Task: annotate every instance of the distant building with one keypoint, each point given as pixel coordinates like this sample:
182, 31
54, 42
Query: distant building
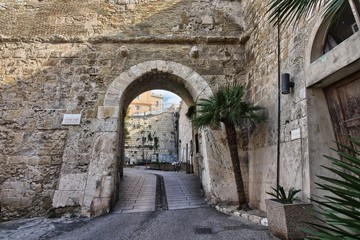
145, 130
146, 103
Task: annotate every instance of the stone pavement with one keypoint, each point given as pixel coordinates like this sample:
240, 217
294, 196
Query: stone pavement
183, 191
140, 188
137, 192
141, 192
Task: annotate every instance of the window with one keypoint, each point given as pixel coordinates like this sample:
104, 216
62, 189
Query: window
137, 107
157, 103
342, 28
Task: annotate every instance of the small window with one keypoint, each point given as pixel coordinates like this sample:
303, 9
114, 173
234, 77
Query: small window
137, 107
157, 103
342, 28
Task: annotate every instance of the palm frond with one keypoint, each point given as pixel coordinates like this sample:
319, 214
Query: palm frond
340, 206
284, 12
225, 104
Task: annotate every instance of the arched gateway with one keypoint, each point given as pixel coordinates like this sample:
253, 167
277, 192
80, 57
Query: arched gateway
102, 179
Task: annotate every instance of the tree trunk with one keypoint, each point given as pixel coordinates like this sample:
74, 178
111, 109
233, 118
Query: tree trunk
234, 155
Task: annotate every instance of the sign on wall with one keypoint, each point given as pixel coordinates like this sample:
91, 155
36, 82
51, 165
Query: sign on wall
71, 119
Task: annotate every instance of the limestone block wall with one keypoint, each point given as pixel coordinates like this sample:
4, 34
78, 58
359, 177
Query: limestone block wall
161, 126
60, 57
91, 58
259, 144
297, 168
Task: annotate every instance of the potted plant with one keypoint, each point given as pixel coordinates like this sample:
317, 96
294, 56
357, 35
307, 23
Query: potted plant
286, 215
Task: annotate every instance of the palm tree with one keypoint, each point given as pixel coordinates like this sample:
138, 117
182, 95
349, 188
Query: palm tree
226, 106
287, 11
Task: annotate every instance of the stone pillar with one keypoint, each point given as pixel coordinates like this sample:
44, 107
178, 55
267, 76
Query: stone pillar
100, 190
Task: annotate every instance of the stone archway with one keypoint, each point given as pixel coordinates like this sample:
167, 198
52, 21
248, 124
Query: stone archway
103, 174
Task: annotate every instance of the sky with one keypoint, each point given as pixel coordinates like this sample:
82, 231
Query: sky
169, 98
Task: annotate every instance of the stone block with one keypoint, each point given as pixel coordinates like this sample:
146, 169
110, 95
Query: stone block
19, 53
17, 160
112, 100
118, 86
207, 20
32, 161
107, 125
44, 160
125, 78
100, 206
107, 186
162, 66
25, 201
108, 112
73, 182
67, 198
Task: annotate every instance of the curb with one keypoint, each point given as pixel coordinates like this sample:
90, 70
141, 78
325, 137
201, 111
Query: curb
249, 216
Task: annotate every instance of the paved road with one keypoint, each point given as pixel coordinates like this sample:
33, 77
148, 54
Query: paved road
156, 190
153, 205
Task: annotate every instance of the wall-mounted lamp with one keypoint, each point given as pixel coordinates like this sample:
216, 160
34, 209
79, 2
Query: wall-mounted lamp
286, 84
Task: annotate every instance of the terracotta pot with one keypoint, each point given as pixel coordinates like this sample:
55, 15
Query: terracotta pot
286, 220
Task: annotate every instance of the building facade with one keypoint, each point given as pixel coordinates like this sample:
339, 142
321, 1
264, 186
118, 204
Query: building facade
152, 138
69, 70
146, 103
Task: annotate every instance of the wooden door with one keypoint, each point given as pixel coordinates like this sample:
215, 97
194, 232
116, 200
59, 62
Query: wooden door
343, 98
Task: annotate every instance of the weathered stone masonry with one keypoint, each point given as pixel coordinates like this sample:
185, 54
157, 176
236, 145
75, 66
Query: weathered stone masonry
93, 57
49, 66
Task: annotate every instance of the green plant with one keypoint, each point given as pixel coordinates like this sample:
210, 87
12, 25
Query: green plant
227, 106
283, 12
280, 194
339, 214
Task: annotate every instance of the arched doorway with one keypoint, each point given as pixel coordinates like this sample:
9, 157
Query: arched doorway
108, 149
332, 81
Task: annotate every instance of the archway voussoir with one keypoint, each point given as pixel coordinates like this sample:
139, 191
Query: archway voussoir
141, 68
153, 65
118, 86
105, 112
173, 67
162, 66
125, 78
112, 100
135, 71
185, 72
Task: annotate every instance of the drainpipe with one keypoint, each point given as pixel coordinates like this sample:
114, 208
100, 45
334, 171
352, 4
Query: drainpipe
279, 109
355, 12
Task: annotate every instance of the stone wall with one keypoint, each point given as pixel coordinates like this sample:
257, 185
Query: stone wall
92, 58
161, 126
262, 88
185, 133
61, 57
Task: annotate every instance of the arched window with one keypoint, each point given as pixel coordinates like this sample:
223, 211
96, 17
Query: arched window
343, 27
331, 35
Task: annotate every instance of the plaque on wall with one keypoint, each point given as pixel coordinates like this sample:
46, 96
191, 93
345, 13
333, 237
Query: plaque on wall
71, 119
